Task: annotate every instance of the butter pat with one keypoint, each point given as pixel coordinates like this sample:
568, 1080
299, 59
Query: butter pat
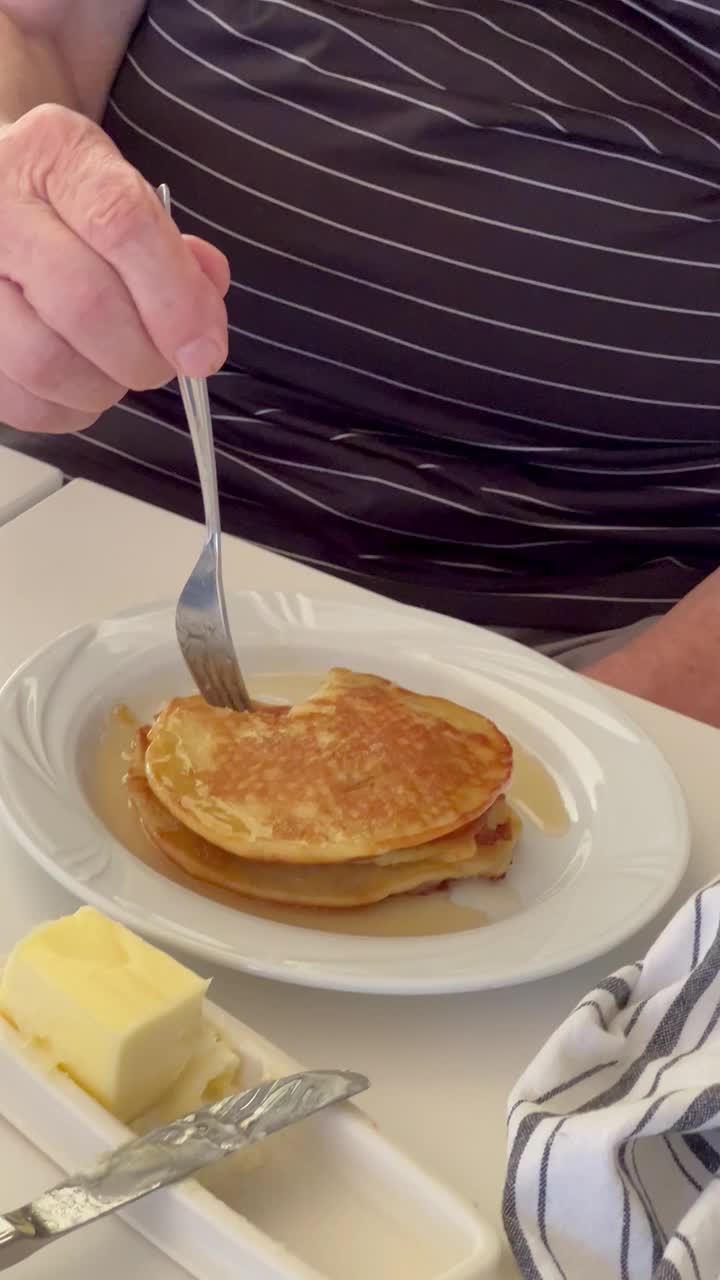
213, 1072
119, 1016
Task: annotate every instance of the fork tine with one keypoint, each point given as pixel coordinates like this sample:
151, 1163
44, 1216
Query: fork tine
227, 684
214, 684
221, 673
202, 671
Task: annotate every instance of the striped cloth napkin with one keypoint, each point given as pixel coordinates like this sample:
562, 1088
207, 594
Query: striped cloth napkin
614, 1129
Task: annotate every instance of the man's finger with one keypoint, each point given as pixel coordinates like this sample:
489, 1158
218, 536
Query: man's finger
212, 262
40, 361
27, 412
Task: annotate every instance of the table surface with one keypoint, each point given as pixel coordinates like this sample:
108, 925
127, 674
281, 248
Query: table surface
441, 1066
23, 482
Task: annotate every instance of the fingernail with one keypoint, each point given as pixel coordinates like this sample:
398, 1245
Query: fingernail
199, 358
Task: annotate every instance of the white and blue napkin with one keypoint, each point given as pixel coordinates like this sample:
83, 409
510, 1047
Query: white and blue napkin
614, 1129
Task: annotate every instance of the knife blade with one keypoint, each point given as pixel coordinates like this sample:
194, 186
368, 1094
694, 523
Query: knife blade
168, 1155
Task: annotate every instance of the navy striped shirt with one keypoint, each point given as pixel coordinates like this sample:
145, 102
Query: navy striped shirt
475, 300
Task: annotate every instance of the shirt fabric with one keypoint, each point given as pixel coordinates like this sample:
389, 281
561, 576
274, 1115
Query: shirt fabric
475, 301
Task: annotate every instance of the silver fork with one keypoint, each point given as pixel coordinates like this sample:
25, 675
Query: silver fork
201, 621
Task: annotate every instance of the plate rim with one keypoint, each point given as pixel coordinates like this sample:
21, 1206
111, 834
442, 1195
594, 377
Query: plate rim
314, 973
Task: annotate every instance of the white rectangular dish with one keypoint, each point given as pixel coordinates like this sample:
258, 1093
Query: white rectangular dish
332, 1200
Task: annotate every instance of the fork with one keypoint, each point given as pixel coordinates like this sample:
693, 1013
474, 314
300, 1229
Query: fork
201, 621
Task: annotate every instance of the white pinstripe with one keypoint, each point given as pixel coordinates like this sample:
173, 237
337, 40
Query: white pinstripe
672, 56
647, 564
352, 35
501, 546
695, 4
519, 4
238, 452
366, 84
436, 306
461, 564
680, 488
596, 149
451, 564
434, 395
436, 108
592, 197
568, 595
655, 44
90, 438
678, 32
241, 461
248, 466
334, 471
399, 245
654, 470
414, 200
527, 497
324, 71
554, 141
470, 364
641, 36
582, 75
525, 106
402, 435
504, 71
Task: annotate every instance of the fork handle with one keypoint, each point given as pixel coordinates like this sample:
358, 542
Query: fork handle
197, 407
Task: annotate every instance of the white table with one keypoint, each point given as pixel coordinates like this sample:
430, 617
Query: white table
441, 1066
23, 482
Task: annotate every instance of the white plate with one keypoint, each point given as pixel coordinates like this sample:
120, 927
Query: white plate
569, 898
328, 1198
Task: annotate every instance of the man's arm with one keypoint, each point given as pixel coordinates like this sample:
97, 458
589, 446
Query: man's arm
63, 51
676, 662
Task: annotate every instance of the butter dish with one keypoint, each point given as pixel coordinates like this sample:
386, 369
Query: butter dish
329, 1200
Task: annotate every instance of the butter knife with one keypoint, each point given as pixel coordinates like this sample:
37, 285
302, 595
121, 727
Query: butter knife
168, 1155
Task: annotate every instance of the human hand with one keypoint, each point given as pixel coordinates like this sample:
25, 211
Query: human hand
99, 291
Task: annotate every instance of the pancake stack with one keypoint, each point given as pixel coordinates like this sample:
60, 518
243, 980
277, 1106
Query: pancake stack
363, 791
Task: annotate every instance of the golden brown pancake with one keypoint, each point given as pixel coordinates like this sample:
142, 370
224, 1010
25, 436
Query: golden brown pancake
360, 769
485, 850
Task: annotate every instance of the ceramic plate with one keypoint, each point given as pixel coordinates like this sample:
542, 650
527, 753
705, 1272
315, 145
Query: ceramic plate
567, 897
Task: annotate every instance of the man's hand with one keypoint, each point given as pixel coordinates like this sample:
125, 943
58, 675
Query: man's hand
676, 662
99, 292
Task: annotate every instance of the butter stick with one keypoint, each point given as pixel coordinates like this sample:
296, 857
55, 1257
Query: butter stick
117, 1014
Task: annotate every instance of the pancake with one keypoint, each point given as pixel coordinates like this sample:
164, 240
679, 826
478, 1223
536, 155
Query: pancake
484, 851
361, 768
